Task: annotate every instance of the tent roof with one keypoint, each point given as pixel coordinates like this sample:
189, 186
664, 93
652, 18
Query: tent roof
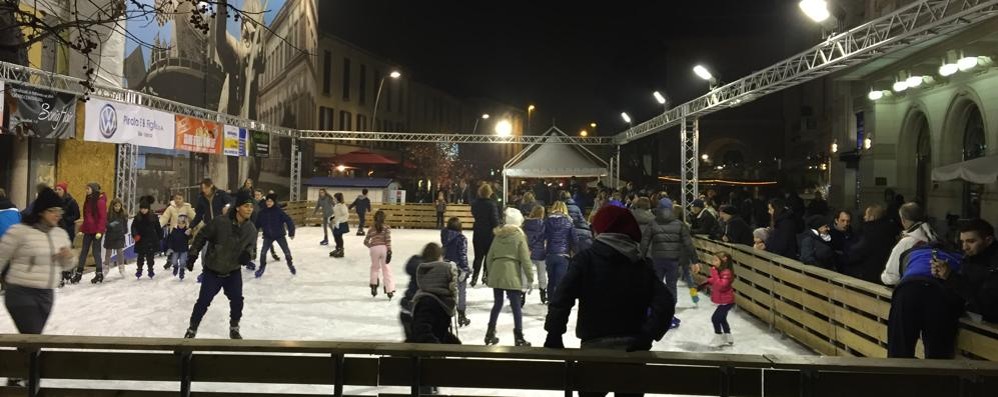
362, 157
556, 161
328, 181
982, 170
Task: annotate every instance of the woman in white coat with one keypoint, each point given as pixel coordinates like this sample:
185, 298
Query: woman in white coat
340, 227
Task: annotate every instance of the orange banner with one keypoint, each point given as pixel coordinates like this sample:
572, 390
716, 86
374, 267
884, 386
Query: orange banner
196, 135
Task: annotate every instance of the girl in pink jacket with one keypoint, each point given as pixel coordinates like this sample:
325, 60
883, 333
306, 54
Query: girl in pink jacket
721, 276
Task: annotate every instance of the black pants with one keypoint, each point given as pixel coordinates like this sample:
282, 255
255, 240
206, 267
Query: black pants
144, 257
363, 222
338, 236
481, 242
28, 307
720, 319
923, 308
440, 220
231, 285
90, 243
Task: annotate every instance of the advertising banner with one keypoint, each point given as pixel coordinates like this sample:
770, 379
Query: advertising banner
260, 144
41, 113
115, 122
197, 135
235, 141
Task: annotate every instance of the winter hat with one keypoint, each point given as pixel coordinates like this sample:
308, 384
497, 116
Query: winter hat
272, 197
64, 185
729, 209
698, 204
665, 204
612, 219
146, 202
513, 217
243, 197
815, 222
94, 187
46, 199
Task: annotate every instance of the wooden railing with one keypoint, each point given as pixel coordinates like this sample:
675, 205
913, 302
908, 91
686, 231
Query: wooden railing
407, 216
178, 363
834, 314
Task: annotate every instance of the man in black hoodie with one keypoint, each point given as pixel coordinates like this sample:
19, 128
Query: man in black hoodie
977, 280
866, 258
627, 314
736, 231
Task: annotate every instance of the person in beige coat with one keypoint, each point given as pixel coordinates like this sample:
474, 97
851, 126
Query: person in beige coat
177, 208
510, 272
33, 255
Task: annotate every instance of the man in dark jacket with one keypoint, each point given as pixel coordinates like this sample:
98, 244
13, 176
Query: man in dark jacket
842, 236
363, 205
627, 314
228, 241
815, 244
70, 210
977, 280
867, 257
574, 211
486, 214
541, 193
211, 203
272, 220
703, 221
736, 231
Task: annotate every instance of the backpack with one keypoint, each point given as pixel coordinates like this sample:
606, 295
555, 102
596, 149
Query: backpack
917, 260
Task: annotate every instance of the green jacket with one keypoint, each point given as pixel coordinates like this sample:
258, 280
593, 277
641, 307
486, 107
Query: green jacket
229, 244
508, 260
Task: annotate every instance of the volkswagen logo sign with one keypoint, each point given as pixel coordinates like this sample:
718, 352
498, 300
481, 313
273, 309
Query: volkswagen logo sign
108, 122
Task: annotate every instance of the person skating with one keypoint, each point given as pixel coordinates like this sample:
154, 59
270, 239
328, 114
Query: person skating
70, 214
212, 202
227, 241
324, 204
379, 242
363, 205
508, 265
559, 241
455, 247
341, 214
434, 302
534, 229
114, 240
93, 228
721, 294
486, 214
272, 220
147, 233
441, 207
177, 240
33, 253
171, 216
665, 243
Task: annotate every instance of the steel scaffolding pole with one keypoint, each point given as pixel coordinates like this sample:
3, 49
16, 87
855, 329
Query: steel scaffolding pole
295, 173
126, 173
690, 137
427, 137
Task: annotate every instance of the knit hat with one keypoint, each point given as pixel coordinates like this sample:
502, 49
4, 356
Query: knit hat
63, 185
94, 187
513, 217
272, 197
612, 219
46, 199
729, 209
243, 197
698, 204
665, 204
146, 202
815, 222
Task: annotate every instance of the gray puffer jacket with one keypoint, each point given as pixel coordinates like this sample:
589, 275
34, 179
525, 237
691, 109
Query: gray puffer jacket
31, 254
645, 219
666, 238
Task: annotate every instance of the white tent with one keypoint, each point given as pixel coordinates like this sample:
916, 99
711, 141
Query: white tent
982, 170
553, 160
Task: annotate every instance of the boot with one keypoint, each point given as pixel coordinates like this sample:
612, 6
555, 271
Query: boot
151, 272
259, 272
490, 336
518, 335
291, 267
273, 254
462, 319
544, 296
234, 332
98, 277
374, 289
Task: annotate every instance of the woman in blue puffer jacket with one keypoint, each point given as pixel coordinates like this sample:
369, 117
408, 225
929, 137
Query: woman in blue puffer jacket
559, 238
534, 228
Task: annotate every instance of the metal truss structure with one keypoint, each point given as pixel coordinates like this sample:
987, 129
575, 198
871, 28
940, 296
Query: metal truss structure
424, 137
126, 175
690, 136
913, 23
295, 172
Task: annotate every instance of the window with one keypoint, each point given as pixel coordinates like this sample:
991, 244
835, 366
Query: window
327, 66
345, 120
326, 118
361, 122
363, 86
346, 79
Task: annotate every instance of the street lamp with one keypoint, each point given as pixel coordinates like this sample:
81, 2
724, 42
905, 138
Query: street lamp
504, 128
662, 99
592, 125
485, 116
583, 133
627, 119
530, 109
817, 10
377, 98
705, 74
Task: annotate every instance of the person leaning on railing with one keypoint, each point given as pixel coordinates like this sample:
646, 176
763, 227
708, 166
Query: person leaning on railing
977, 279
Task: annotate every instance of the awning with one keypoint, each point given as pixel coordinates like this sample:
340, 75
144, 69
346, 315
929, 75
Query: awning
551, 160
362, 157
982, 170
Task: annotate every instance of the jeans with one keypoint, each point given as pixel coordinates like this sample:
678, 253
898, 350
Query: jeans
363, 222
667, 271
514, 303
231, 284
720, 319
180, 263
542, 274
462, 290
378, 265
326, 227
557, 266
338, 236
268, 244
89, 241
28, 307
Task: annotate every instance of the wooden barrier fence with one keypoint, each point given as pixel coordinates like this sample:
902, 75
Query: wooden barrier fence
406, 216
834, 314
94, 362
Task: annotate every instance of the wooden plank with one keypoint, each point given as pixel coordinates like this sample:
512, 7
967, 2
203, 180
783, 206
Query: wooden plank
861, 323
486, 374
13, 364
835, 384
208, 367
978, 344
110, 365
757, 295
804, 336
760, 280
862, 302
860, 344
755, 309
819, 325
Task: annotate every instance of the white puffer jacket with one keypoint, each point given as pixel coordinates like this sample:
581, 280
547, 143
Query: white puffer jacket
340, 214
30, 254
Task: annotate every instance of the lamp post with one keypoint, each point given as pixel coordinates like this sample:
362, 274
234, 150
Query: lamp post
504, 128
705, 74
377, 98
662, 99
485, 116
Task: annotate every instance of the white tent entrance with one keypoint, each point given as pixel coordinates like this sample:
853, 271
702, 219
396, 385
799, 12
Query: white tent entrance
550, 160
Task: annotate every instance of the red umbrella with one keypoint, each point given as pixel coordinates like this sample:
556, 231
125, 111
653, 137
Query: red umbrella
362, 157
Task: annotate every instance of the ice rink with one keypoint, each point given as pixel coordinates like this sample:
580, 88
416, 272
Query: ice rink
329, 299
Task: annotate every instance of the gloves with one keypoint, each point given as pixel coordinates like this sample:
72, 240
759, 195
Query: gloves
640, 343
190, 262
554, 342
388, 258
137, 238
98, 236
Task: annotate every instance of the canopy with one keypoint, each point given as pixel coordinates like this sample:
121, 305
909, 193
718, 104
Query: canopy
982, 170
362, 157
552, 160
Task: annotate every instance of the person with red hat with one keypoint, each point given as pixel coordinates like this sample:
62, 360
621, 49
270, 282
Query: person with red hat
627, 314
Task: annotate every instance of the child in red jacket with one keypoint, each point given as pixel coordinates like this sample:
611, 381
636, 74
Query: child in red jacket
721, 276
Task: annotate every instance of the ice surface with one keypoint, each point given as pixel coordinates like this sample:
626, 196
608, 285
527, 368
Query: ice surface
330, 299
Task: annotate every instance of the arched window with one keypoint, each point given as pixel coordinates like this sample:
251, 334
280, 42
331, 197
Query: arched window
923, 161
974, 146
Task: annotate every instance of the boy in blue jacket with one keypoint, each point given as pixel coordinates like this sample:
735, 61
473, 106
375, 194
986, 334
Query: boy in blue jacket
455, 246
272, 220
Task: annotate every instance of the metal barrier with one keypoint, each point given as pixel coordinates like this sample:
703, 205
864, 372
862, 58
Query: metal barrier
834, 314
183, 362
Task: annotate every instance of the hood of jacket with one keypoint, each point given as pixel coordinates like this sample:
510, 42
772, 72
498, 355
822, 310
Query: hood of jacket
507, 231
448, 236
664, 216
622, 244
186, 207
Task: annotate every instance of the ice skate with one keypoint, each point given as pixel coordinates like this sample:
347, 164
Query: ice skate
390, 295
490, 337
544, 296
324, 242
374, 290
291, 268
274, 255
77, 275
675, 323
191, 333
259, 272
462, 319
718, 341
729, 340
151, 272
138, 273
98, 277
250, 265
234, 332
518, 335
121, 269
360, 232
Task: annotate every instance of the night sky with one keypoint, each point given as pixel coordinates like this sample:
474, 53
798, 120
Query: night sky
577, 62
